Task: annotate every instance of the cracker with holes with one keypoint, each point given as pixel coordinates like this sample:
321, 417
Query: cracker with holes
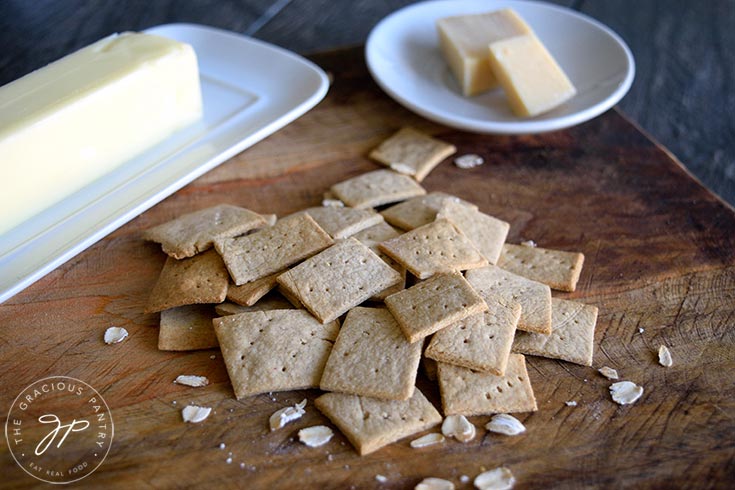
187, 328
433, 249
486, 232
572, 334
412, 153
419, 211
377, 188
249, 293
467, 392
270, 250
195, 232
371, 237
275, 350
558, 269
342, 222
434, 304
337, 279
534, 297
196, 280
371, 357
481, 342
371, 423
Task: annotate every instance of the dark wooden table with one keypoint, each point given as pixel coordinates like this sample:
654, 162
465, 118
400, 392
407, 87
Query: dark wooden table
683, 95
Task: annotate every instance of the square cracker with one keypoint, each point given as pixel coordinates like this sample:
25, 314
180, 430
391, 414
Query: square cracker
340, 277
343, 222
534, 297
431, 305
371, 237
187, 328
558, 269
275, 350
370, 423
412, 153
572, 334
486, 233
195, 232
199, 279
468, 392
270, 250
434, 248
481, 342
371, 357
376, 188
419, 211
249, 293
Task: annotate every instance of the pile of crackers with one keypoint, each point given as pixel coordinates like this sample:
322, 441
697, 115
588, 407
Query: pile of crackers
352, 296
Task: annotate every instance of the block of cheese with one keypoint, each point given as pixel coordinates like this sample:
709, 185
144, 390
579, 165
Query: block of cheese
69, 123
532, 80
464, 40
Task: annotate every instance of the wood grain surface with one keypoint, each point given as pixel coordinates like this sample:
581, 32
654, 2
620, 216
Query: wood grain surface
660, 256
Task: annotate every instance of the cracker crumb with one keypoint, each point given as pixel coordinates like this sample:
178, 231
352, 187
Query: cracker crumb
498, 479
470, 160
571, 403
625, 392
503, 423
427, 440
434, 484
608, 372
213, 356
332, 203
529, 243
191, 380
459, 427
195, 414
664, 356
315, 436
115, 335
381, 478
288, 414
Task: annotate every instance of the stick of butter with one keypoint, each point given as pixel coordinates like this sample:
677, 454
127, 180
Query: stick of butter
532, 80
464, 40
71, 122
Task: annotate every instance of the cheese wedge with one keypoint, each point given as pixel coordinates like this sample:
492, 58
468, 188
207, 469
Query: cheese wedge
464, 40
532, 80
71, 122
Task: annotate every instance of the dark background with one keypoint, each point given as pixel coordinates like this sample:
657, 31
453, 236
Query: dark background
683, 94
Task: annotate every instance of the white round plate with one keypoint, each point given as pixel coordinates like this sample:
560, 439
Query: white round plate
403, 56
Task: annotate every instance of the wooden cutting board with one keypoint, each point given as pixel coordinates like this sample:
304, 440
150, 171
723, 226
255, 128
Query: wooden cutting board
660, 265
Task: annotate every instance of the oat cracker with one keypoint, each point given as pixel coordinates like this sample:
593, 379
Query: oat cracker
412, 152
371, 357
572, 334
377, 188
276, 350
434, 304
434, 248
558, 269
337, 279
370, 423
